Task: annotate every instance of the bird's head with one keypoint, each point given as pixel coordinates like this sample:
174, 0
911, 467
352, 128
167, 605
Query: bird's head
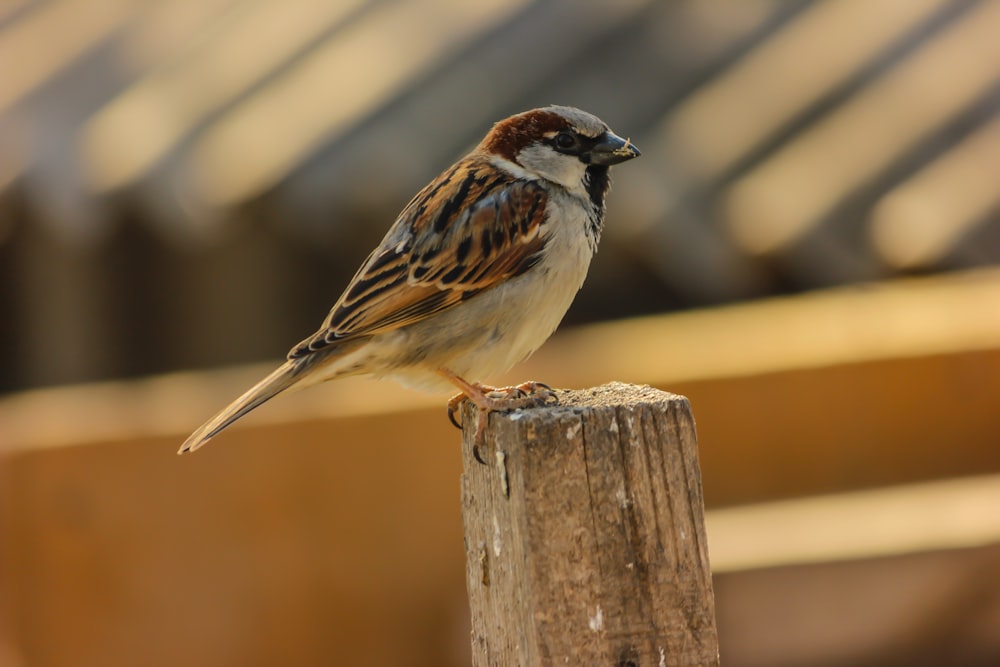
563, 145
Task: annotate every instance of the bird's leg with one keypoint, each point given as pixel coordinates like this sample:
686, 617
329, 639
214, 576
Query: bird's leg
477, 393
525, 395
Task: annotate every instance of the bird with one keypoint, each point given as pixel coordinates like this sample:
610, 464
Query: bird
475, 273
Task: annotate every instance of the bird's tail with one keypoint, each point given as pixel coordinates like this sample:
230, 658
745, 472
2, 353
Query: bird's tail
282, 378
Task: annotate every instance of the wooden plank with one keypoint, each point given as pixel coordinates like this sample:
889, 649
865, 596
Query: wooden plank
903, 575
882, 384
945, 514
282, 546
924, 608
914, 363
114, 549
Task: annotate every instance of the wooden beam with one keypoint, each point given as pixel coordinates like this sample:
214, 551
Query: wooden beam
911, 518
915, 363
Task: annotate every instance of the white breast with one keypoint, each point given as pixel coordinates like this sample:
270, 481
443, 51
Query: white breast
520, 315
496, 329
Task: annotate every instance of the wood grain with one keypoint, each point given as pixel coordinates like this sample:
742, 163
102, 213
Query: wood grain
585, 539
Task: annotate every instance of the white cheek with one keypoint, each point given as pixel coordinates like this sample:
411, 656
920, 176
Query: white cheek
566, 170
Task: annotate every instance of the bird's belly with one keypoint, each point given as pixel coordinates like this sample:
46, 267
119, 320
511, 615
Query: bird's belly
497, 329
525, 316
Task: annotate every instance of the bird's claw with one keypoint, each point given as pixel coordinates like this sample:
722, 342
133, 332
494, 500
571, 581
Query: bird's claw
500, 399
455, 404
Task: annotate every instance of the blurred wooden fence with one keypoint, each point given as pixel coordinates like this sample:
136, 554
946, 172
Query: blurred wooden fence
190, 184
848, 444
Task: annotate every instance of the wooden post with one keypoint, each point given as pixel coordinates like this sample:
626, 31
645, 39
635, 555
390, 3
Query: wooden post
585, 536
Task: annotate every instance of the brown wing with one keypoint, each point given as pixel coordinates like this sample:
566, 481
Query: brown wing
470, 229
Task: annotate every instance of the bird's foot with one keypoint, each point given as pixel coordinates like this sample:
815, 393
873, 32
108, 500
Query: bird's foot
530, 394
497, 399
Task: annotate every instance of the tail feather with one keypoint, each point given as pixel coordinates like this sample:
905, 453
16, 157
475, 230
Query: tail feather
282, 378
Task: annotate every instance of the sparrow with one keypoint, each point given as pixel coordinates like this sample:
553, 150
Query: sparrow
473, 276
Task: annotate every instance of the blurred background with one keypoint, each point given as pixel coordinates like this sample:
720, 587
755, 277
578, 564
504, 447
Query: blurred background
807, 249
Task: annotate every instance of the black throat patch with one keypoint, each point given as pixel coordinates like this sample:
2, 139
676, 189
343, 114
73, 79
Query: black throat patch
597, 182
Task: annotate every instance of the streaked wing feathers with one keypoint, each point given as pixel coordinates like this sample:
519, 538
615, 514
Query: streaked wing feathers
469, 230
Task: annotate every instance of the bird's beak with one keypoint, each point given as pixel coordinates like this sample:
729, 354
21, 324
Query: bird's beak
612, 149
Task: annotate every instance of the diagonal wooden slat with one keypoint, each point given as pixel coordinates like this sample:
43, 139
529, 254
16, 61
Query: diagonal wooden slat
46, 41
743, 107
787, 196
166, 29
10, 9
141, 126
336, 86
919, 222
379, 163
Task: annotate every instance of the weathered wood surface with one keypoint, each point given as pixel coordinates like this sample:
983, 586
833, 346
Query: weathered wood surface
585, 538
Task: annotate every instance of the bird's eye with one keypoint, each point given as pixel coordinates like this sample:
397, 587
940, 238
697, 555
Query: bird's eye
565, 140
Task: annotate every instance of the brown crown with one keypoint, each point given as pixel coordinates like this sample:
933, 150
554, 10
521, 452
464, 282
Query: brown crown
510, 135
